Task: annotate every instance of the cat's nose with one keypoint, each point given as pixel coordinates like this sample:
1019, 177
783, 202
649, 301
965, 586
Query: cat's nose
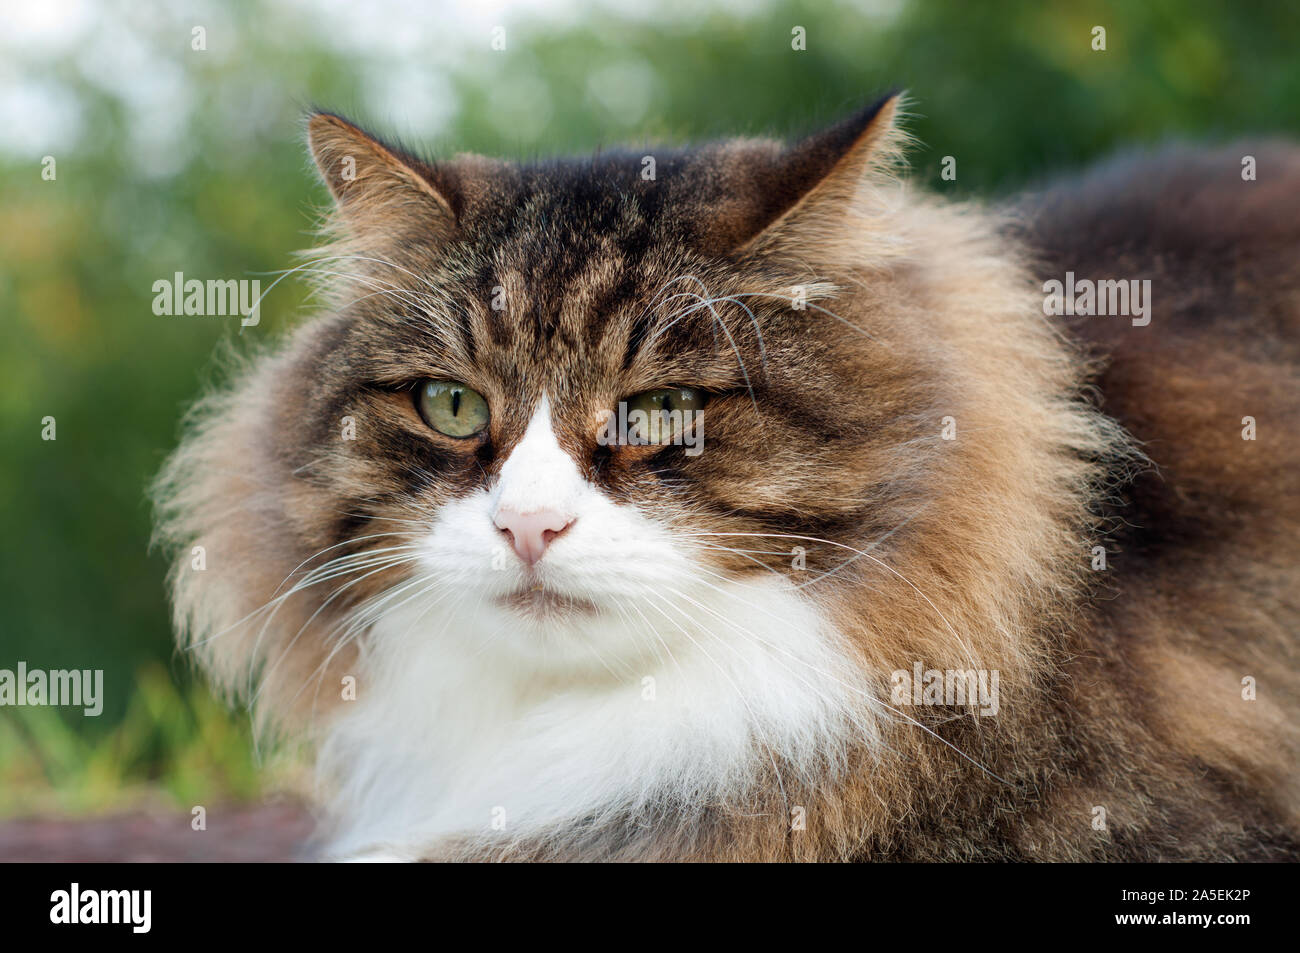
531, 533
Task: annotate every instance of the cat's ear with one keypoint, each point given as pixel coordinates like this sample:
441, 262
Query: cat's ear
376, 186
813, 195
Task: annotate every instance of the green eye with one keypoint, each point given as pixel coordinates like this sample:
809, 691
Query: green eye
656, 416
451, 408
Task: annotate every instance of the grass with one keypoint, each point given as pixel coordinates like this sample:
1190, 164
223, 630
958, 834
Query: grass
176, 747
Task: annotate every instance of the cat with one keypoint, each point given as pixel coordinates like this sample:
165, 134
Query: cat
950, 576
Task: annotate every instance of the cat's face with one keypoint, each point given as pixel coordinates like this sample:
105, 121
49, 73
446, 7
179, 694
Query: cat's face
453, 447
438, 495
471, 401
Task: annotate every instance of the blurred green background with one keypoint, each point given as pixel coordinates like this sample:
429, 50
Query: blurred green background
173, 159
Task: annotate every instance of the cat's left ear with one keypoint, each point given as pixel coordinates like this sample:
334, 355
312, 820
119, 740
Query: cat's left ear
820, 193
379, 188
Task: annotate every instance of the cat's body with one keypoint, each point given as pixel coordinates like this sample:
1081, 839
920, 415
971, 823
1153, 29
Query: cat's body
1202, 590
908, 472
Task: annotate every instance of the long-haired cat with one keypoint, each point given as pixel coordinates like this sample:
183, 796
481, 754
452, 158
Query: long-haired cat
740, 503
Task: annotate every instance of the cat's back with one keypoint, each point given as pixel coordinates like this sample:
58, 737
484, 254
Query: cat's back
1209, 380
1197, 607
1216, 230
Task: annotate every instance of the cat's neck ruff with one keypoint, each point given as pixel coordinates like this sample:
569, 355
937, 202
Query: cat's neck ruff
458, 735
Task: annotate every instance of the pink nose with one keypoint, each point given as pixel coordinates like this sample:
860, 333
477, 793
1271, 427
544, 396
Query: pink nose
531, 533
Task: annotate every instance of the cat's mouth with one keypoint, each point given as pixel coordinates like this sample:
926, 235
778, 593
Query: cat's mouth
539, 602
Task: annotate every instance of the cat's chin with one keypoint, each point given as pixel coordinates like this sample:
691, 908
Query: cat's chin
540, 604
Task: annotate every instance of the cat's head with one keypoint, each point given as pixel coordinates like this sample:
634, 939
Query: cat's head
472, 432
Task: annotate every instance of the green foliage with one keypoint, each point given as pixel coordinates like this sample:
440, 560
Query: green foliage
177, 745
1012, 90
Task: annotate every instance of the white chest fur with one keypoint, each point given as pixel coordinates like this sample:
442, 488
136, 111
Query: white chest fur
455, 732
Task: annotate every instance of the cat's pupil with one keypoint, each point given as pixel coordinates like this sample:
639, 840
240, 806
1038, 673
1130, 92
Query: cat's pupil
455, 403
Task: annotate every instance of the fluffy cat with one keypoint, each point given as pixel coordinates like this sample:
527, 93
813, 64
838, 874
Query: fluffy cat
510, 631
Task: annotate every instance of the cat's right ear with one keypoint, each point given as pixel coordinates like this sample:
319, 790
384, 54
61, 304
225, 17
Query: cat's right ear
826, 198
377, 187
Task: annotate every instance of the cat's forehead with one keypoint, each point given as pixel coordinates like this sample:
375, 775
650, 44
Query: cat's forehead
587, 265
584, 293
591, 309
567, 224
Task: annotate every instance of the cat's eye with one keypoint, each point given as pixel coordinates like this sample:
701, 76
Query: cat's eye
452, 408
657, 416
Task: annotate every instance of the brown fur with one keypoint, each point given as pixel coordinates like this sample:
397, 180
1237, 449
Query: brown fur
1119, 689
